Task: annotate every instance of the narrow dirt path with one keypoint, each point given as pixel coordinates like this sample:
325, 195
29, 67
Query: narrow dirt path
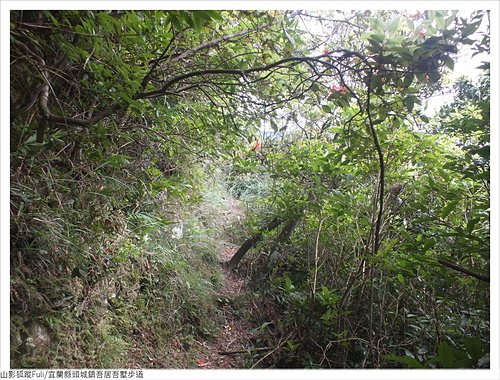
236, 332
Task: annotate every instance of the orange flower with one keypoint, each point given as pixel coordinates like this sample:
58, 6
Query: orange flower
255, 146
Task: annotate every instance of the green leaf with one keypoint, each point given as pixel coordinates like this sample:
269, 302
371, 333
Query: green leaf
449, 63
342, 102
484, 152
393, 24
292, 346
434, 76
431, 41
449, 357
118, 160
409, 23
375, 45
314, 86
377, 38
450, 206
290, 39
484, 66
470, 29
376, 81
407, 360
474, 348
326, 109
471, 223
468, 41
288, 286
408, 79
214, 15
175, 21
274, 126
445, 356
409, 102
197, 21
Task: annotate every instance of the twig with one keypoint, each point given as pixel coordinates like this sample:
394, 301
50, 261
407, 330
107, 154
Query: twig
281, 343
233, 352
147, 77
216, 42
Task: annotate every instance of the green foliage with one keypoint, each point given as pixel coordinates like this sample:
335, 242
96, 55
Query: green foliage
104, 295
408, 361
472, 355
145, 128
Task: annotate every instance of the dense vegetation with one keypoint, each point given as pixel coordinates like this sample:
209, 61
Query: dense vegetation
143, 141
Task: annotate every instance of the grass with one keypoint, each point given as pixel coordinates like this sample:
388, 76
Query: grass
111, 288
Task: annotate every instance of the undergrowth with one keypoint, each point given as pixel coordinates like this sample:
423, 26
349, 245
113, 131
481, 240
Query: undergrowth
97, 284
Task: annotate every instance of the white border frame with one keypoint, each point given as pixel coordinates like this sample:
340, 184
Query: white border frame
492, 374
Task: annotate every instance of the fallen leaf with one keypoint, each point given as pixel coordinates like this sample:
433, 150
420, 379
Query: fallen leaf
176, 343
201, 362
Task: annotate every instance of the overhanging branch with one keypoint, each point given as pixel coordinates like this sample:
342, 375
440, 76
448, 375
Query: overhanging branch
242, 72
463, 270
286, 63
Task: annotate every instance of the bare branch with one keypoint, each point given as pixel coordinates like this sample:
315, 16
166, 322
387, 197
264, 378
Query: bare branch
216, 42
243, 72
255, 349
147, 77
463, 270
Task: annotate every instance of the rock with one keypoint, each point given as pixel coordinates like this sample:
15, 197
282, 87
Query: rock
38, 340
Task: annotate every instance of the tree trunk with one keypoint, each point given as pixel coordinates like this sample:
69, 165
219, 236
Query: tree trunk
248, 244
273, 257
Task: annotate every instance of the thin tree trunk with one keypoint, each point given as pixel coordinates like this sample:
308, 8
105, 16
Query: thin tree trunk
284, 235
316, 257
248, 244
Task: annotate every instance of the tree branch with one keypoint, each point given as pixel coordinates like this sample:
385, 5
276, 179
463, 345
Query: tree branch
216, 42
147, 77
44, 97
463, 270
243, 72
255, 349
251, 242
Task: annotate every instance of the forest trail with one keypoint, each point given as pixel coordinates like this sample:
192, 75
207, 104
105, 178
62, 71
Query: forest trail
143, 145
235, 332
